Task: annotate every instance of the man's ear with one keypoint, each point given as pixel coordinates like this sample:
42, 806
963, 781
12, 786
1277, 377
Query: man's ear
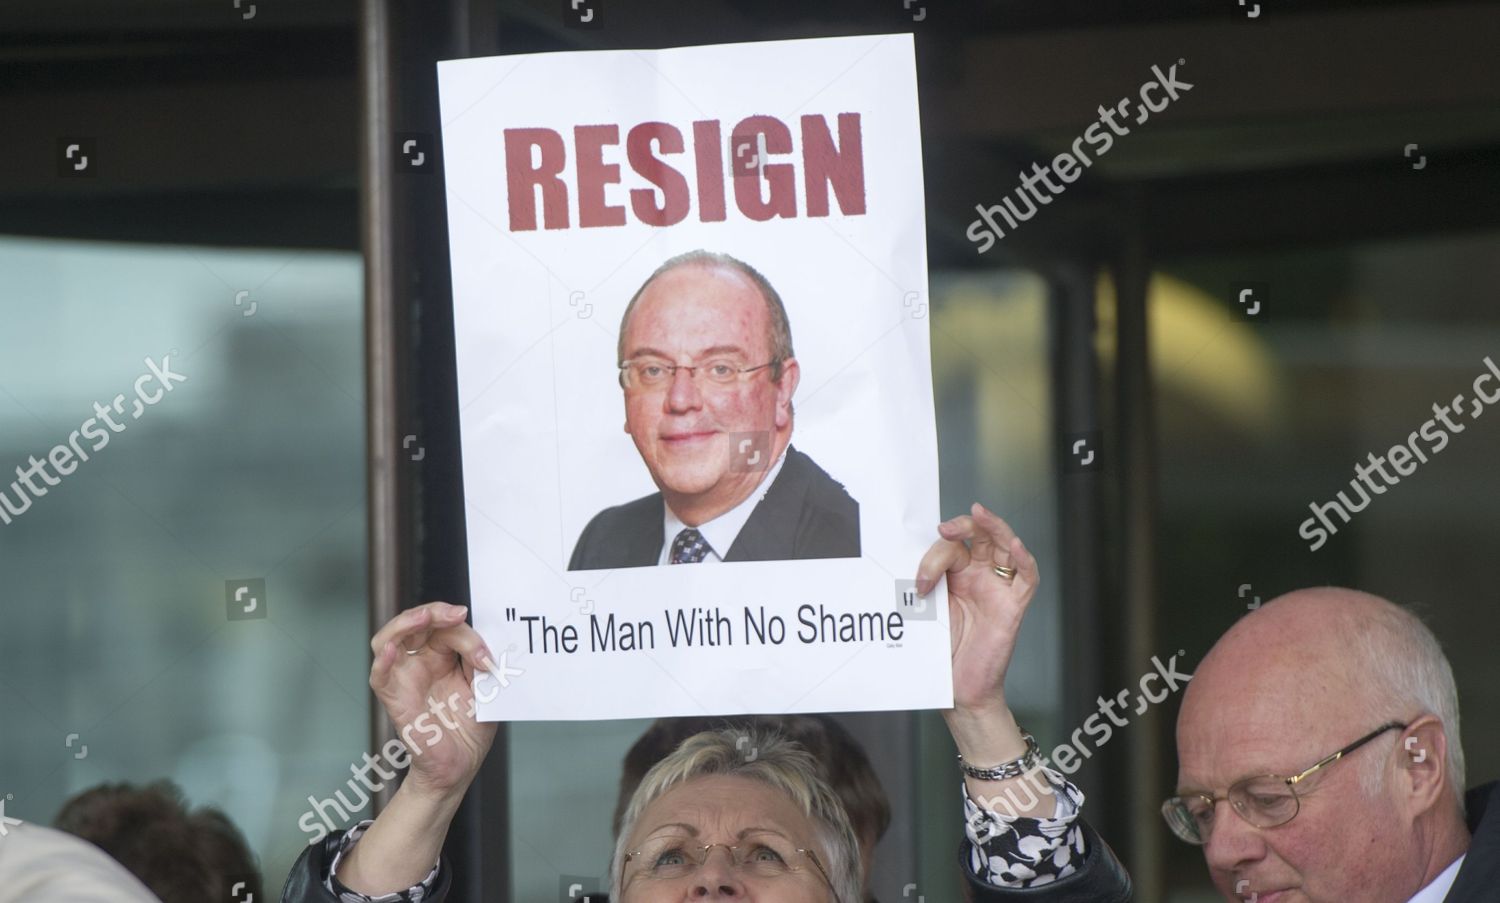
785, 389
1423, 758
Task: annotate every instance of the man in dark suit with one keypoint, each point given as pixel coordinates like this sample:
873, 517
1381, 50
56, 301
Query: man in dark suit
1284, 697
708, 373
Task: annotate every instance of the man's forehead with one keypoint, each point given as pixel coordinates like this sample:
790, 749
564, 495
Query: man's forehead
1259, 715
703, 283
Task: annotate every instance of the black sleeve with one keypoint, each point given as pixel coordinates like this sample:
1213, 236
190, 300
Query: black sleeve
1100, 879
308, 881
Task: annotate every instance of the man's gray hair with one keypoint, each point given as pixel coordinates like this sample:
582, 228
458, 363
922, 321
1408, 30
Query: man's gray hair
760, 756
1409, 676
780, 336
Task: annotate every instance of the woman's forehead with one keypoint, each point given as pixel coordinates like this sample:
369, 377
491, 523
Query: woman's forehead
724, 806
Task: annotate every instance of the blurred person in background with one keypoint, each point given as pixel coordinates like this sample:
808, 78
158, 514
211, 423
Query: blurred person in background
183, 856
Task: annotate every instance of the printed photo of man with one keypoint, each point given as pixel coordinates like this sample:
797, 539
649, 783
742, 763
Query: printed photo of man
708, 374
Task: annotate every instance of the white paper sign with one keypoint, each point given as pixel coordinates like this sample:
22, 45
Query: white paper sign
805, 483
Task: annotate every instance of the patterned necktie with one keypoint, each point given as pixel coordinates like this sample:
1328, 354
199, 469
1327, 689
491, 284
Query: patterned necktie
689, 547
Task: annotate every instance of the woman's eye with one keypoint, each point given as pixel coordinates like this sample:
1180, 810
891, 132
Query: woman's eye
670, 857
766, 854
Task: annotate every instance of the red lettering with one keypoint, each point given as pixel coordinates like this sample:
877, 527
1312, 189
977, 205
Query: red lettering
652, 172
780, 178
843, 167
522, 178
594, 174
710, 171
675, 201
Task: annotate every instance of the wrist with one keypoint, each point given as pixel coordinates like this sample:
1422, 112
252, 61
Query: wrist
985, 736
421, 795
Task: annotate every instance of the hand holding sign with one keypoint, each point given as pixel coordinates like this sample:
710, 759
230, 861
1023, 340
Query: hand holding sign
985, 613
426, 659
985, 608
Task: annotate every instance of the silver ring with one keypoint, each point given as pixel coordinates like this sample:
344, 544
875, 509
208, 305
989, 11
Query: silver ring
1008, 573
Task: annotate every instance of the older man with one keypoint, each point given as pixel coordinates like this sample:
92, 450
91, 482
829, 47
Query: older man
708, 373
1294, 689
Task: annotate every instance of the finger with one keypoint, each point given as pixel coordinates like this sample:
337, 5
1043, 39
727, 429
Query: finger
942, 556
380, 670
996, 532
466, 642
966, 528
1027, 574
414, 621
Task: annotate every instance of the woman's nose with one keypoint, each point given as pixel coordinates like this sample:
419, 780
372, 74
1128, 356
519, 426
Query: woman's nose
718, 878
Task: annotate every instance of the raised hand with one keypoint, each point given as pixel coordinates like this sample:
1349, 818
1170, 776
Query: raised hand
425, 661
985, 608
423, 674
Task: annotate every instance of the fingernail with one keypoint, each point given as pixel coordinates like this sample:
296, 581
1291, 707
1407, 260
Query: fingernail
489, 664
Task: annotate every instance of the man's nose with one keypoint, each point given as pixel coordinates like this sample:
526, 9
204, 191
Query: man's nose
683, 394
1233, 842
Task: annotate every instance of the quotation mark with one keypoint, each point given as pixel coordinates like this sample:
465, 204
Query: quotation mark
83, 749
912, 606
1422, 160
239, 301
1252, 606
245, 599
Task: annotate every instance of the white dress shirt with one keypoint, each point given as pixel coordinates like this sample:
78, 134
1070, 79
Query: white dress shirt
721, 532
1437, 891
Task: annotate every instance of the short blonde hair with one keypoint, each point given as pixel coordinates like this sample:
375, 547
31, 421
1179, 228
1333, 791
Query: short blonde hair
760, 756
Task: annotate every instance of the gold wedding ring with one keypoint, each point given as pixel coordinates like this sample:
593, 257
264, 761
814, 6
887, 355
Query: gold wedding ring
1008, 573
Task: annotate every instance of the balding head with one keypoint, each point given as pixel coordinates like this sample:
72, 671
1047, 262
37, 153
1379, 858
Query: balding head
1296, 680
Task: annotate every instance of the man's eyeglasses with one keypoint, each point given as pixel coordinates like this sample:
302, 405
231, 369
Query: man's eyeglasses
1264, 801
654, 372
762, 856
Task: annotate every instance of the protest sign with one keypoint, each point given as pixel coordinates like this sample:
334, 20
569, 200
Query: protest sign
763, 417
